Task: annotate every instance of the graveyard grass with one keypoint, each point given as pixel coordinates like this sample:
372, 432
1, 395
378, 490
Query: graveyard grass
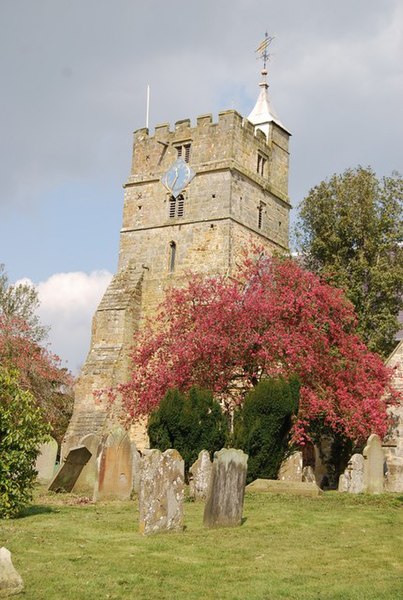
331, 547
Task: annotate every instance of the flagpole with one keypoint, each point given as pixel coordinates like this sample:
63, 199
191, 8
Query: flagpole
148, 105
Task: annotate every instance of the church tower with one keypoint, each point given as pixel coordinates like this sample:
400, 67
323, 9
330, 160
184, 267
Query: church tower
196, 197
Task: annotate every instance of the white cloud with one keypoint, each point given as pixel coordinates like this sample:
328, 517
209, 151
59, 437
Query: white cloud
67, 304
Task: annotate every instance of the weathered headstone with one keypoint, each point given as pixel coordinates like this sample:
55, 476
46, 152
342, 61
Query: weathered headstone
87, 479
161, 492
308, 475
352, 480
68, 474
45, 463
10, 581
291, 468
115, 476
136, 466
199, 476
226, 492
373, 465
274, 486
394, 474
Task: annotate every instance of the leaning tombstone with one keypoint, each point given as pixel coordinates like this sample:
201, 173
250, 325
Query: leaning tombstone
86, 481
373, 465
291, 468
10, 580
69, 472
161, 492
226, 492
199, 476
46, 461
115, 476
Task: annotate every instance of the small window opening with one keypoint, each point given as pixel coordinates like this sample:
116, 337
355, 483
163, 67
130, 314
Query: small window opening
181, 205
172, 207
176, 206
260, 210
172, 256
184, 152
261, 164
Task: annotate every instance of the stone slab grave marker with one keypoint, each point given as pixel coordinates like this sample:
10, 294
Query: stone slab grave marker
274, 486
115, 467
352, 480
86, 481
226, 492
373, 465
46, 461
136, 466
10, 581
162, 489
200, 475
291, 468
70, 470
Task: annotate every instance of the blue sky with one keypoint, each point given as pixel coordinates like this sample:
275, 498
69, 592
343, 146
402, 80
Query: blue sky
73, 88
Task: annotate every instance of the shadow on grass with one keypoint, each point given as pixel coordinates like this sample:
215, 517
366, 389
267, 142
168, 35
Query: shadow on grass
36, 509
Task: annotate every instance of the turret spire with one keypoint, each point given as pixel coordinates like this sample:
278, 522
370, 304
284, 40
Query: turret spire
263, 113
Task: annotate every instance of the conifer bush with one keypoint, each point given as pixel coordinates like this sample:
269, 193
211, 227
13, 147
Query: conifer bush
262, 426
189, 422
22, 430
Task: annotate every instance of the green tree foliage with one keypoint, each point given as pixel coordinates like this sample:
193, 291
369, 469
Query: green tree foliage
189, 423
263, 424
23, 348
350, 233
22, 430
21, 302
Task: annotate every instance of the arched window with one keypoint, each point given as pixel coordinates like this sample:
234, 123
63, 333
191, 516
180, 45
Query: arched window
172, 256
176, 206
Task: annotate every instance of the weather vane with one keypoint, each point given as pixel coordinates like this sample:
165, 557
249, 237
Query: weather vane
262, 49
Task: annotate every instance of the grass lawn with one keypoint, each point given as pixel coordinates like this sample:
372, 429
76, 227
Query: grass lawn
332, 547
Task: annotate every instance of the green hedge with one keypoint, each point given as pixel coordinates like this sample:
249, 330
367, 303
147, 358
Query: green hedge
263, 423
189, 423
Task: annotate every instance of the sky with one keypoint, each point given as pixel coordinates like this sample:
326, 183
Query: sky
74, 75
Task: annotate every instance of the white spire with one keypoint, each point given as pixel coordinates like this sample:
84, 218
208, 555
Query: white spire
263, 113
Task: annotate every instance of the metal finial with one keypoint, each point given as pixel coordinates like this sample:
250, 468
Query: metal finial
262, 49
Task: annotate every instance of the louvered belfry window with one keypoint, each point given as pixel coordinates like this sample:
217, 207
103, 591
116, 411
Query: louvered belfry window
184, 152
176, 207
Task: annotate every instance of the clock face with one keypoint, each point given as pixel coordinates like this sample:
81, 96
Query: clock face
178, 176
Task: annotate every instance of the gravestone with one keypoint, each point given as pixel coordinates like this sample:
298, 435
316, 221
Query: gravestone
70, 470
161, 492
115, 476
294, 488
373, 465
86, 481
394, 475
308, 475
136, 466
10, 581
226, 492
45, 463
352, 480
199, 476
291, 468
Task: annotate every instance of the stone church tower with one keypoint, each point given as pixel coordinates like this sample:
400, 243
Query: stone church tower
195, 198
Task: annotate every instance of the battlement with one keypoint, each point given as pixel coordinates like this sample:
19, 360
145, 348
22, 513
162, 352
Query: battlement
210, 144
183, 128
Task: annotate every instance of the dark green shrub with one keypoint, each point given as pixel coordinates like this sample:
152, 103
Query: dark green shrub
262, 425
189, 423
22, 430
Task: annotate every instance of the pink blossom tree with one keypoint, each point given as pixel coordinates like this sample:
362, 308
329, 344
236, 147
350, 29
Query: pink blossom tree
274, 318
